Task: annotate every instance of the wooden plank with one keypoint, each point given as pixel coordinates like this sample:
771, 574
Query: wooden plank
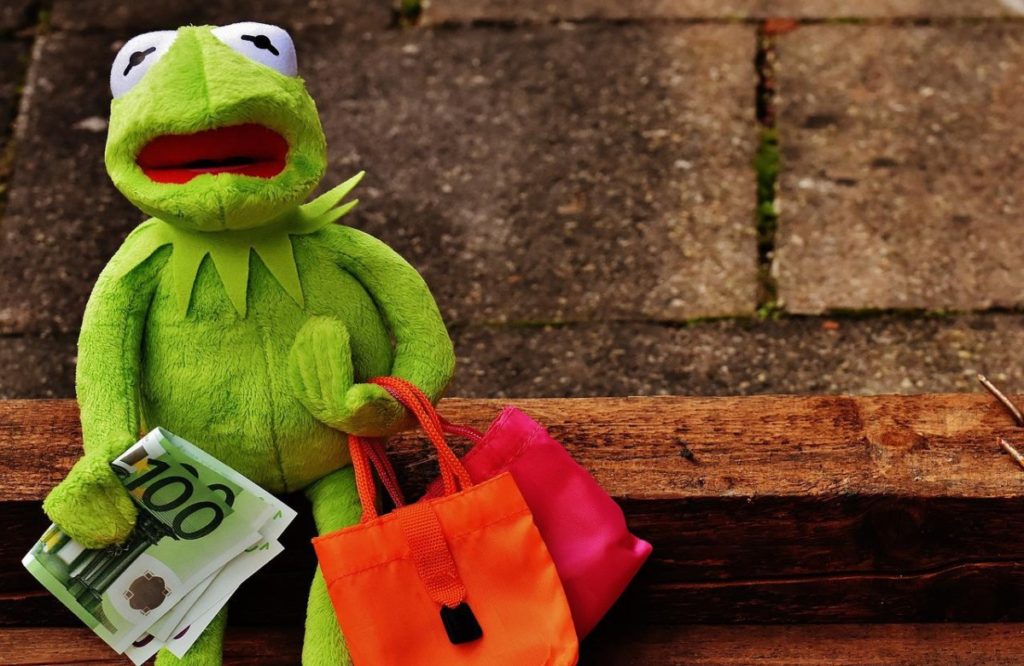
975, 593
766, 510
686, 645
678, 447
663, 593
810, 645
57, 647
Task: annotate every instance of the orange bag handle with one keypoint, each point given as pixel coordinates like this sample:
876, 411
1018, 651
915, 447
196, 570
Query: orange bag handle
453, 474
385, 472
410, 396
421, 527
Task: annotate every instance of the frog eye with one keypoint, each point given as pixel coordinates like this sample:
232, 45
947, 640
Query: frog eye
266, 44
136, 57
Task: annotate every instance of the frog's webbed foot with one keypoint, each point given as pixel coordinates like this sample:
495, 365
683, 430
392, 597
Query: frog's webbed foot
322, 377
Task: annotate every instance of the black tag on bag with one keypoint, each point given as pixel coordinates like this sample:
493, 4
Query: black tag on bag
461, 624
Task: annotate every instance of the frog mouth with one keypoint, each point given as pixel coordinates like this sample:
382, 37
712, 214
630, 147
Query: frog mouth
246, 150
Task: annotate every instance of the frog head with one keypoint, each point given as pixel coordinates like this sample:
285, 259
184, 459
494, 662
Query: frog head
211, 128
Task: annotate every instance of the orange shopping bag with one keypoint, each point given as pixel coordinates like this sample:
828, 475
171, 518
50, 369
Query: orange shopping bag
461, 579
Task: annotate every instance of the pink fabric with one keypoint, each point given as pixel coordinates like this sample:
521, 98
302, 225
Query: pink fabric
584, 529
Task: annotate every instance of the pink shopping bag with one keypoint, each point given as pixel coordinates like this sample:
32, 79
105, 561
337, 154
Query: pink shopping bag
585, 530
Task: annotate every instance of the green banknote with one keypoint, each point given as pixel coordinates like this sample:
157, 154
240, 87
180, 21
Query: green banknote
216, 589
192, 521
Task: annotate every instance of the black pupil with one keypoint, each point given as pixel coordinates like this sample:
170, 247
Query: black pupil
136, 59
261, 42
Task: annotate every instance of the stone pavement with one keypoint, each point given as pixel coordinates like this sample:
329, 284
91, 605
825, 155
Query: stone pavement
576, 181
517, 11
901, 191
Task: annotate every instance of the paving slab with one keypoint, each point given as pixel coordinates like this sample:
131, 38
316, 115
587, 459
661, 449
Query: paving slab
16, 14
923, 9
13, 62
35, 367
554, 173
136, 17
527, 11
882, 354
885, 354
901, 167
523, 11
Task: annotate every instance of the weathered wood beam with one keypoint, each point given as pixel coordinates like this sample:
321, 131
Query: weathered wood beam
763, 509
678, 447
687, 645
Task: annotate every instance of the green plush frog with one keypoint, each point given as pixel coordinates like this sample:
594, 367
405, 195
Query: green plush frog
238, 316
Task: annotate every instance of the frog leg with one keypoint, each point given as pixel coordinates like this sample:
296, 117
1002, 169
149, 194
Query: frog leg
207, 651
335, 505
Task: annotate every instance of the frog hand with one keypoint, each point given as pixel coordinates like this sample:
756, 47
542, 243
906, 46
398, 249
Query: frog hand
322, 377
90, 505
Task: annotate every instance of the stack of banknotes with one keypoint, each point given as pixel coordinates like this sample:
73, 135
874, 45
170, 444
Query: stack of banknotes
202, 529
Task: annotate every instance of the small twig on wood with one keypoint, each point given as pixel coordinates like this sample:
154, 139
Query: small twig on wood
1001, 397
1012, 451
426, 460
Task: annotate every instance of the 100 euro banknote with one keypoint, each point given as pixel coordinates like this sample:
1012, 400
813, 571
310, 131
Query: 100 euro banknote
192, 521
179, 629
275, 518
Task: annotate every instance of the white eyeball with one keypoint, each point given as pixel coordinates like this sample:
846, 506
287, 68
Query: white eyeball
136, 57
266, 44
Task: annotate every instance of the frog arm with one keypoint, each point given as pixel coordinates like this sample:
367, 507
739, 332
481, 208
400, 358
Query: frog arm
90, 504
320, 367
109, 356
424, 354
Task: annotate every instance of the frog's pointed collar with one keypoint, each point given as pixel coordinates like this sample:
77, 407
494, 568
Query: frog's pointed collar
230, 251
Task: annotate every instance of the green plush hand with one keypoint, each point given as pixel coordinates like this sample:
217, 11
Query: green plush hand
322, 377
90, 505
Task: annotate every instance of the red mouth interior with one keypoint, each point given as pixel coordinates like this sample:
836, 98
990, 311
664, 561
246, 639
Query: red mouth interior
248, 150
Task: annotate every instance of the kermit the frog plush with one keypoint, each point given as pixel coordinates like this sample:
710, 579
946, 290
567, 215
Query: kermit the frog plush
237, 316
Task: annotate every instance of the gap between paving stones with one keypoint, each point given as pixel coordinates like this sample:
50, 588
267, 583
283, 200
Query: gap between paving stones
766, 161
10, 126
510, 24
884, 354
804, 355
838, 315
766, 168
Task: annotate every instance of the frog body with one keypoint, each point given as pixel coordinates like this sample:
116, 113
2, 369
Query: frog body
286, 447
239, 316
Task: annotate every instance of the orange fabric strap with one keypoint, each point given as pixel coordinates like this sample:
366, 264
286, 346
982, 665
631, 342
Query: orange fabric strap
431, 554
